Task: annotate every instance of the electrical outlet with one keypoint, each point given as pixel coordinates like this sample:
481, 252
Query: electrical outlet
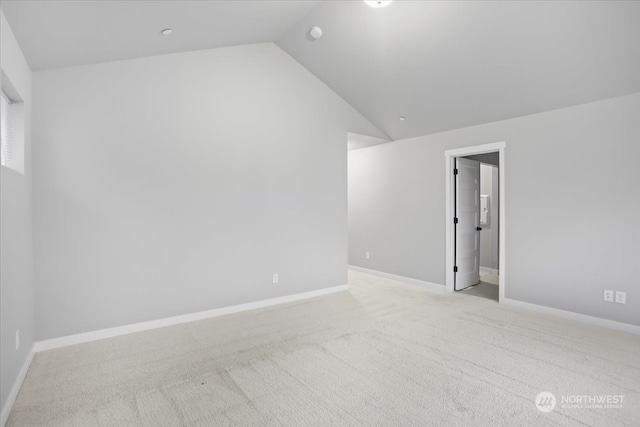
608, 295
621, 297
17, 339
366, 255
275, 278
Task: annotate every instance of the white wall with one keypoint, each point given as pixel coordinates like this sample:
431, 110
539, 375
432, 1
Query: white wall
572, 203
181, 183
16, 260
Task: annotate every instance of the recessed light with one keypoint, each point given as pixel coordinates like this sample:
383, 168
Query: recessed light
166, 32
402, 118
315, 32
377, 3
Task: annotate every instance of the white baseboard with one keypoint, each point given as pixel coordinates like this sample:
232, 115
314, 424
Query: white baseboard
489, 270
408, 280
598, 321
169, 321
13, 393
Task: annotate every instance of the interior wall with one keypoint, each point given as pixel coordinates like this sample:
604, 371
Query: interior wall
16, 262
181, 183
489, 237
570, 232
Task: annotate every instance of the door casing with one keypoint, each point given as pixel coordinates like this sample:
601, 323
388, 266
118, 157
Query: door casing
450, 157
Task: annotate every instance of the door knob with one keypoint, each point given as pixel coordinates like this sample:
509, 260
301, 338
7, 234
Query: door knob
479, 228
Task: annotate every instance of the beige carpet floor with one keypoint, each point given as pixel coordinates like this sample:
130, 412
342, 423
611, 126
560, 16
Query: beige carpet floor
382, 354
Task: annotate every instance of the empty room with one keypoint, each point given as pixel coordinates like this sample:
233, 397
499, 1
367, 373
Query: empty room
319, 213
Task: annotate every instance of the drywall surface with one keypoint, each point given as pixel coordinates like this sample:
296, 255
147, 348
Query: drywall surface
181, 183
16, 262
570, 232
489, 237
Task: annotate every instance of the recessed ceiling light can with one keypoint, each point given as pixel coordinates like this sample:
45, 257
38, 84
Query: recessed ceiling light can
166, 31
315, 32
403, 118
377, 3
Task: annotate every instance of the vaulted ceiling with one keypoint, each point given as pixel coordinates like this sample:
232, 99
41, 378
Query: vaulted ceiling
446, 65
65, 33
442, 65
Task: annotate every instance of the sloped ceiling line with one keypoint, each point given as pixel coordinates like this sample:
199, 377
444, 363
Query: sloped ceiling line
443, 65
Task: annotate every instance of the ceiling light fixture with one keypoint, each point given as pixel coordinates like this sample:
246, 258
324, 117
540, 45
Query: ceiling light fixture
403, 118
315, 32
166, 32
377, 3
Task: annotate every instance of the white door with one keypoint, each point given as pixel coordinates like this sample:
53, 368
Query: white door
467, 224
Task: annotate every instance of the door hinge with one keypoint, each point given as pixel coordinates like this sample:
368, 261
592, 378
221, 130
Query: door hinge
455, 268
455, 171
455, 220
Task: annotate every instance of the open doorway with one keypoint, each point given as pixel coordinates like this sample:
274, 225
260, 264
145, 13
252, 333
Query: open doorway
475, 220
484, 207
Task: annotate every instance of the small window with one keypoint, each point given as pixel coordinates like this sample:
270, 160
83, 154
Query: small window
5, 129
12, 136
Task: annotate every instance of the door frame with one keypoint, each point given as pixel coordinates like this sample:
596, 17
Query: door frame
450, 157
